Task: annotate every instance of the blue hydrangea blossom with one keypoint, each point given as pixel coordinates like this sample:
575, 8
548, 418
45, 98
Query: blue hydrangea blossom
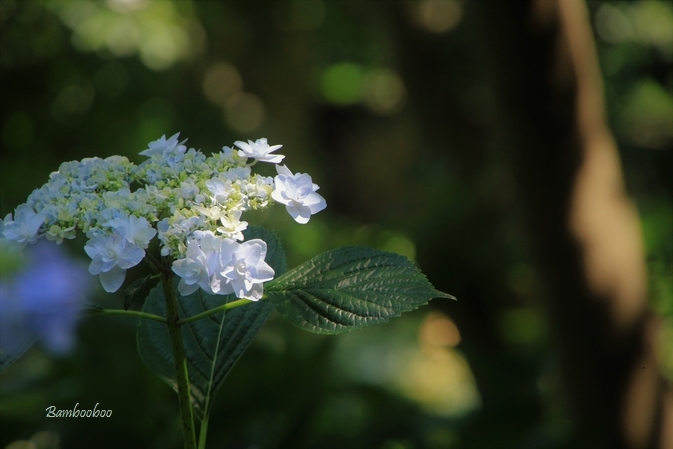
43, 301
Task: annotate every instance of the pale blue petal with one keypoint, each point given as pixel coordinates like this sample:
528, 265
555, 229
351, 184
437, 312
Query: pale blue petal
186, 289
113, 279
300, 213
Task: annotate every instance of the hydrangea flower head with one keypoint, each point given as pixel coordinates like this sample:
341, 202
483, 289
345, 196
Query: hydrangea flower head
192, 203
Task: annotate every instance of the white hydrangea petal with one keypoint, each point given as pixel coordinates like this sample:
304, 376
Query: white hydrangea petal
279, 195
130, 256
300, 213
96, 266
252, 251
245, 147
263, 272
140, 232
113, 279
25, 226
244, 267
256, 292
90, 249
192, 269
283, 170
273, 159
314, 199
119, 225
186, 289
163, 145
221, 285
297, 193
238, 285
259, 150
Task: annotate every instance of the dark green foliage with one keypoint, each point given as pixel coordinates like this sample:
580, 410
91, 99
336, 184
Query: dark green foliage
9, 356
138, 290
213, 344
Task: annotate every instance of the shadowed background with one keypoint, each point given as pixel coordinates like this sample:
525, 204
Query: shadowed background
404, 113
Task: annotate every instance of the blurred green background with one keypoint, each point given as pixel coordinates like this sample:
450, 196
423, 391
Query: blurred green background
385, 104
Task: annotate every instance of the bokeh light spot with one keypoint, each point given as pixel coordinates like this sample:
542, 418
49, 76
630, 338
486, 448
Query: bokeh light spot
155, 30
439, 16
665, 348
220, 82
647, 118
612, 24
123, 38
400, 245
438, 330
415, 359
441, 381
126, 6
244, 112
163, 45
384, 91
342, 83
653, 22
521, 325
73, 99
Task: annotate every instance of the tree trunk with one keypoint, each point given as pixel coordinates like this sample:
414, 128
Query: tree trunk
584, 231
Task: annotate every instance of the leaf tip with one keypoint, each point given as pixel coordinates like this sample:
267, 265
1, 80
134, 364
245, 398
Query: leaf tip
445, 295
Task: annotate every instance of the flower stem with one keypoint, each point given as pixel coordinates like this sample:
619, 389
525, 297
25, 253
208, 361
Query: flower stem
204, 430
127, 313
223, 307
177, 345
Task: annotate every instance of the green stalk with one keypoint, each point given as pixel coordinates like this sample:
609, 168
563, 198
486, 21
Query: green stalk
206, 412
204, 430
177, 345
149, 316
222, 308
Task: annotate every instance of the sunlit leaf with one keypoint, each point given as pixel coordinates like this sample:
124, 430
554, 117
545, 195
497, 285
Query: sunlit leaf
349, 288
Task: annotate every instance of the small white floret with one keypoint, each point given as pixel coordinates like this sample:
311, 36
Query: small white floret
25, 226
298, 193
244, 267
111, 256
259, 150
163, 145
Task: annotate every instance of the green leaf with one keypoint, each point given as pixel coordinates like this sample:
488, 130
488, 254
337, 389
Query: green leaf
139, 289
10, 354
90, 306
349, 288
212, 344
